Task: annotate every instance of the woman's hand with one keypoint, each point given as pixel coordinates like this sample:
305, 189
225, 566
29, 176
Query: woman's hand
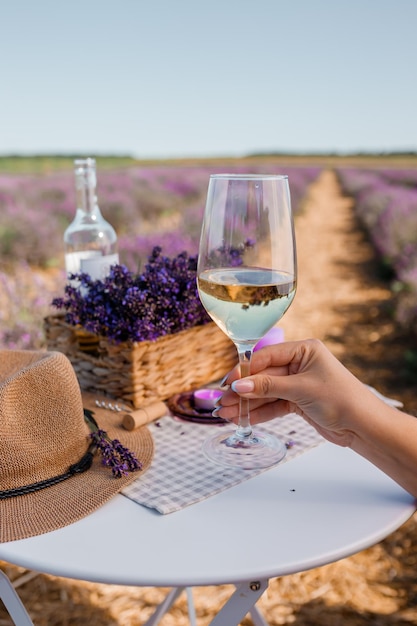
305, 378
301, 377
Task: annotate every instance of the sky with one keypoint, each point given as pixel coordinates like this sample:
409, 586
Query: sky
202, 78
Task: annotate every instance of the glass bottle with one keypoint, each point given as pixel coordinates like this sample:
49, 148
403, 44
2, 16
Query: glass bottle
90, 242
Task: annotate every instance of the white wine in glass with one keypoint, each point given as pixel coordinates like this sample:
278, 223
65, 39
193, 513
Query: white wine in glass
246, 277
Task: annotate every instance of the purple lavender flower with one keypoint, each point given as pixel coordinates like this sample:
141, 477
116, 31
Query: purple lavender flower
162, 300
129, 459
115, 455
37, 208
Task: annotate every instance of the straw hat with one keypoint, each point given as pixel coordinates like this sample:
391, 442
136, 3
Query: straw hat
43, 434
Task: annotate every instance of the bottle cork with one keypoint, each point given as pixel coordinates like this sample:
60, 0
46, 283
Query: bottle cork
140, 417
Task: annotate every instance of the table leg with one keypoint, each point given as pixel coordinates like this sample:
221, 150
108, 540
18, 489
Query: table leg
240, 603
191, 609
13, 603
257, 617
167, 604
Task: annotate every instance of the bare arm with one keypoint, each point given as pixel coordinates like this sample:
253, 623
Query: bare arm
304, 377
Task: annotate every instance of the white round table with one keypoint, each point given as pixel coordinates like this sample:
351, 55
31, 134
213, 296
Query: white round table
322, 506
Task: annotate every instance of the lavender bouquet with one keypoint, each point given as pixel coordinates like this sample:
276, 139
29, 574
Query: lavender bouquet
162, 300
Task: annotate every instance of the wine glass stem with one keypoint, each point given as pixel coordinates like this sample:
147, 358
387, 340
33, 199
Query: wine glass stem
244, 429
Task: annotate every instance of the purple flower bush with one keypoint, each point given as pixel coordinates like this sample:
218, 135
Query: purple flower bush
37, 209
402, 177
25, 296
386, 204
134, 250
33, 211
155, 205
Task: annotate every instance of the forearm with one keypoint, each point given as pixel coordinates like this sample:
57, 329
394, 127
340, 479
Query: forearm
388, 439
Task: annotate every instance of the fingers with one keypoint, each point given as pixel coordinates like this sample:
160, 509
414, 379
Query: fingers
267, 387
260, 411
280, 359
284, 378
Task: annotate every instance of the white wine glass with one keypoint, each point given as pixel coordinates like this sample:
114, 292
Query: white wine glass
246, 278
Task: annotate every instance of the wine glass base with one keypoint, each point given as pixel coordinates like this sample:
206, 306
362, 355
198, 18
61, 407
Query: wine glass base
258, 451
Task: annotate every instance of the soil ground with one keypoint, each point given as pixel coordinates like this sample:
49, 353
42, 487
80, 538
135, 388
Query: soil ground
342, 300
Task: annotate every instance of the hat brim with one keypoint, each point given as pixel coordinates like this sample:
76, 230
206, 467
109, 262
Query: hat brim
62, 504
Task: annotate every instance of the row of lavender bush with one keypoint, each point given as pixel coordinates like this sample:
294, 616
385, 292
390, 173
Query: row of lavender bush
153, 205
386, 204
37, 209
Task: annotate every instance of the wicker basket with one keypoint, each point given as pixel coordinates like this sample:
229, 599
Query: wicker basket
144, 372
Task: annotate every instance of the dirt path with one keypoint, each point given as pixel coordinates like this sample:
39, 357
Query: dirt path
330, 251
341, 300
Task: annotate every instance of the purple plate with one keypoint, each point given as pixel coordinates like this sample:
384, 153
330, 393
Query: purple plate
182, 405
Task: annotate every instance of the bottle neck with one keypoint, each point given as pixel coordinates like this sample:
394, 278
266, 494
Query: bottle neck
85, 185
87, 200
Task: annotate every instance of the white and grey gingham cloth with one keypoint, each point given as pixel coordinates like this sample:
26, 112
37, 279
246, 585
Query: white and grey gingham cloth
180, 473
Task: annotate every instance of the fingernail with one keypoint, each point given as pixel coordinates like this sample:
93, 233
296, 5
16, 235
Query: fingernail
216, 414
243, 386
222, 383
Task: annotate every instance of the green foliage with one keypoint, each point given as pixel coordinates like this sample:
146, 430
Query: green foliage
45, 164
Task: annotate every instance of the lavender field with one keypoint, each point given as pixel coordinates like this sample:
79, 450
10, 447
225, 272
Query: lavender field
386, 205
162, 204
147, 204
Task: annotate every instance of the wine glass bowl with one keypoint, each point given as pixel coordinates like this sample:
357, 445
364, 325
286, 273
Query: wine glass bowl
246, 278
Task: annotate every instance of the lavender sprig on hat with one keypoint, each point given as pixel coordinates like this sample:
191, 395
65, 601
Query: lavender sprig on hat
115, 455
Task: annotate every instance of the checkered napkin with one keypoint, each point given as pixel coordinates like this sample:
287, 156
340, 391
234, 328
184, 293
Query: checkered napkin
181, 475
